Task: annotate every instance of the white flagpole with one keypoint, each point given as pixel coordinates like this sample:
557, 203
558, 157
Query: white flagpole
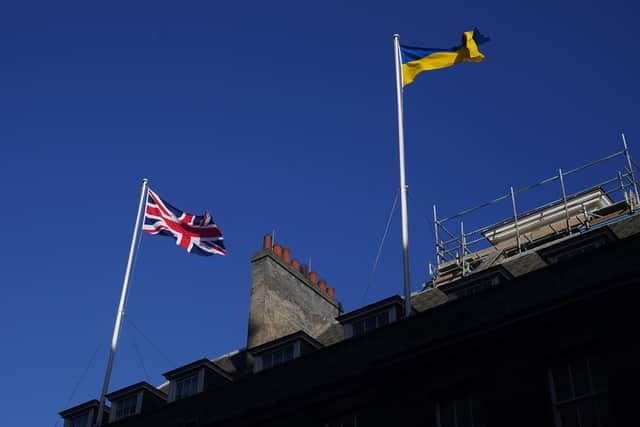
403, 184
123, 298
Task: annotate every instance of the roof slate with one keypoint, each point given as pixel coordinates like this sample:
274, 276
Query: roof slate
427, 299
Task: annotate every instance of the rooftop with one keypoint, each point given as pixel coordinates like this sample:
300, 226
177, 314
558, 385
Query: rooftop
477, 244
509, 252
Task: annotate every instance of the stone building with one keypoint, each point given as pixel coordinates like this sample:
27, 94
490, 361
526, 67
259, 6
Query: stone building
537, 336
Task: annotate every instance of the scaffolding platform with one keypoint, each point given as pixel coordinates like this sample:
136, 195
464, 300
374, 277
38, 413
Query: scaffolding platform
461, 253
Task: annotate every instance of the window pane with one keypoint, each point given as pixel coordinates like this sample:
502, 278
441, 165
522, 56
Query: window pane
370, 324
288, 353
569, 416
603, 411
588, 416
383, 319
266, 361
187, 386
358, 328
129, 406
179, 387
562, 382
277, 357
80, 421
580, 373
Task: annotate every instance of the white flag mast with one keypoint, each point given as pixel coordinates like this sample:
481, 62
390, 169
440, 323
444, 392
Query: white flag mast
403, 184
123, 299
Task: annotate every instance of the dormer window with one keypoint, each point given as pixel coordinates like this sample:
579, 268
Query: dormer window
126, 406
80, 421
374, 316
195, 378
361, 327
282, 350
84, 415
279, 356
135, 399
187, 386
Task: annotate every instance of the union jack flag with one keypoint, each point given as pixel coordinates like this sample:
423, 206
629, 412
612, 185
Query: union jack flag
196, 233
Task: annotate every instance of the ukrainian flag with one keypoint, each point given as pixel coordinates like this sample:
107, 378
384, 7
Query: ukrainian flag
418, 59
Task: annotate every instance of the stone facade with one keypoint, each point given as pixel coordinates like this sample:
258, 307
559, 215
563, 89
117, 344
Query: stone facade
284, 301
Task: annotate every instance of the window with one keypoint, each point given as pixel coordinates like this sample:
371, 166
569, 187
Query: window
277, 357
460, 411
80, 421
186, 386
126, 406
579, 393
363, 326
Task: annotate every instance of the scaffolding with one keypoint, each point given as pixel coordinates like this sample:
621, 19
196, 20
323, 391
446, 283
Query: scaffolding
461, 252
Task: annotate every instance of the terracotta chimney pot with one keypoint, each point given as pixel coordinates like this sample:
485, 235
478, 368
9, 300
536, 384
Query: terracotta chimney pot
286, 255
331, 292
322, 284
277, 249
295, 264
313, 277
267, 241
304, 269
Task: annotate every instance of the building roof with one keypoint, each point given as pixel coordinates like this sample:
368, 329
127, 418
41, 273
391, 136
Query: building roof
531, 280
392, 301
301, 335
500, 271
434, 334
428, 299
142, 385
82, 408
190, 367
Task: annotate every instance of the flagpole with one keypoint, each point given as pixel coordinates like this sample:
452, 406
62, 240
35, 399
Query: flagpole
403, 184
123, 298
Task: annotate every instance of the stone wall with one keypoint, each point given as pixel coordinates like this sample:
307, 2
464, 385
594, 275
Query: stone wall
284, 301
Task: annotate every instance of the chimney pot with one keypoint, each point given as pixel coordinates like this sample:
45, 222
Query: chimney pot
313, 277
267, 241
322, 284
277, 249
331, 292
295, 264
286, 255
304, 269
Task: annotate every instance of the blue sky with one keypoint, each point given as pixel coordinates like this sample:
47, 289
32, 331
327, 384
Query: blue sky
274, 116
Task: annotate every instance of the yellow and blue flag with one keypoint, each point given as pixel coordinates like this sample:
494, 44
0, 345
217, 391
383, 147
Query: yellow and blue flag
418, 59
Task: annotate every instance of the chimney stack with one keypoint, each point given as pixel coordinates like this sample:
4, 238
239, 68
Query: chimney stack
285, 297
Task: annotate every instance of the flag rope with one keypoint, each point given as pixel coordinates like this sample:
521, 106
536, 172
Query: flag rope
82, 376
384, 236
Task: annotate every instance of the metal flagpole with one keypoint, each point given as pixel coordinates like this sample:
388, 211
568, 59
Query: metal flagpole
123, 298
403, 185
